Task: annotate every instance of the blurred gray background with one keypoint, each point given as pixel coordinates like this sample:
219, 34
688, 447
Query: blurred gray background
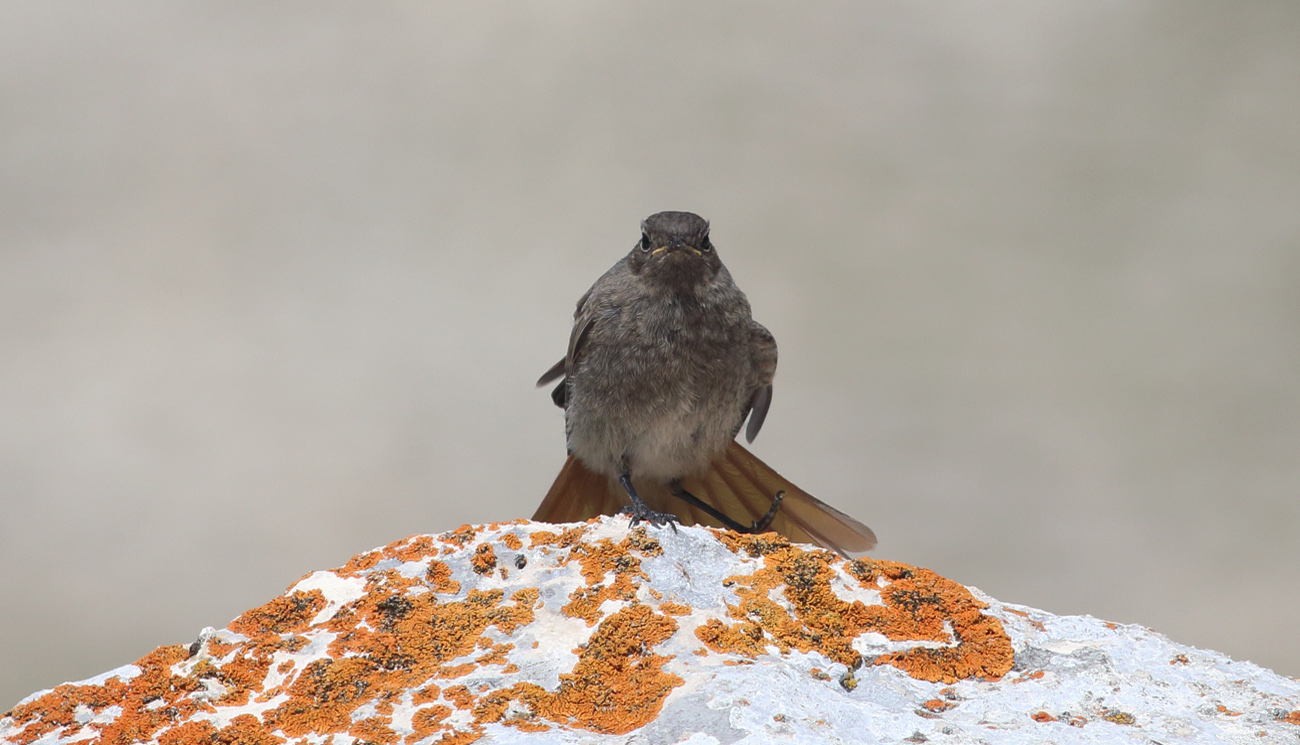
276, 281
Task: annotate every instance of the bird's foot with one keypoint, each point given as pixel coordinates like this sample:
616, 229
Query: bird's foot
639, 511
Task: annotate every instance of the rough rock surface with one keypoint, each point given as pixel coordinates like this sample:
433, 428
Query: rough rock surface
528, 632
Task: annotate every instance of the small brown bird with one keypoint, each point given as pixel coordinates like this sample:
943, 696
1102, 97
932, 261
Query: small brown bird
664, 365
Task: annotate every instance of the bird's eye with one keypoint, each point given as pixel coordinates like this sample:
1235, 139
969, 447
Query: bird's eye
706, 245
645, 242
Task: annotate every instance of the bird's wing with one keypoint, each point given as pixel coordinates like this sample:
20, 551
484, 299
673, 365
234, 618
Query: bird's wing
763, 353
583, 320
556, 372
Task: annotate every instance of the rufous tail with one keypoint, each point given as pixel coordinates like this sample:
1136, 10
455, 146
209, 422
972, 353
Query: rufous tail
737, 483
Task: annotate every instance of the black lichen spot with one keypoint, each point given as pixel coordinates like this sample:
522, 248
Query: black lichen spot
639, 539
394, 609
913, 600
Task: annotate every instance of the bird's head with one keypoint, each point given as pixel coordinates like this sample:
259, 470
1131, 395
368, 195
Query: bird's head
675, 250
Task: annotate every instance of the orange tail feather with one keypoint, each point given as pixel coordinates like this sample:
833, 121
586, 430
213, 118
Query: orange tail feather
737, 483
577, 495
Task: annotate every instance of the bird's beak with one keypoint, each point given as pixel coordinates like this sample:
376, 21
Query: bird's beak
676, 246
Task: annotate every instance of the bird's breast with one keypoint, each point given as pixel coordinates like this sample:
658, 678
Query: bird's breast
661, 385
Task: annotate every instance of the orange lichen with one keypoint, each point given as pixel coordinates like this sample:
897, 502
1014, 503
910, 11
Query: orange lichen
414, 548
324, 696
392, 639
439, 575
283, 615
1291, 717
1043, 716
411, 636
460, 697
244, 729
484, 560
428, 721
617, 685
745, 638
460, 536
426, 694
373, 730
916, 605
405, 640
751, 544
150, 701
512, 541
1225, 710
937, 706
495, 656
360, 564
526, 724
57, 708
597, 560
675, 609
559, 540
452, 672
200, 731
243, 674
509, 619
461, 737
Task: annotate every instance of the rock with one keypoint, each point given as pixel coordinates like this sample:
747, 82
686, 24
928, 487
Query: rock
529, 633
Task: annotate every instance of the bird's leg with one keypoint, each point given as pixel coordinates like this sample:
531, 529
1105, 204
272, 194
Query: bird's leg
639, 510
758, 526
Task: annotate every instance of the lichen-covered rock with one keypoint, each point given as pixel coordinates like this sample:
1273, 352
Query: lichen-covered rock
528, 632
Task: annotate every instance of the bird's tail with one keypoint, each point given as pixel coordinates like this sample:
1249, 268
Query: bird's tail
737, 484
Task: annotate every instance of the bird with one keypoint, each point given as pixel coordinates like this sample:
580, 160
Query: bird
664, 366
